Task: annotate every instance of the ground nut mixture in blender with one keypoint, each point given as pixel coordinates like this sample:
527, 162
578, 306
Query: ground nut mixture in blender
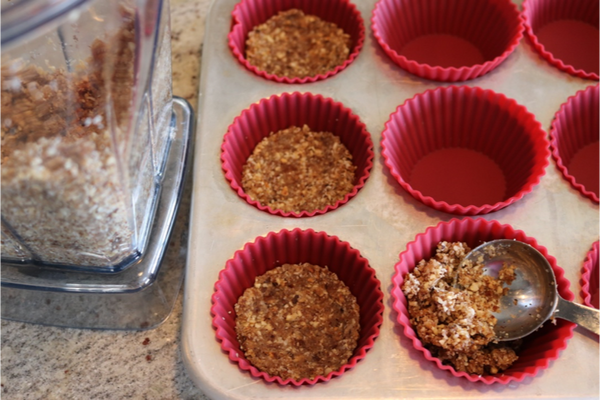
61, 188
450, 307
296, 169
298, 321
296, 45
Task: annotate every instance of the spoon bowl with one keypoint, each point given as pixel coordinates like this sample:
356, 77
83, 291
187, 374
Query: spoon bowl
532, 297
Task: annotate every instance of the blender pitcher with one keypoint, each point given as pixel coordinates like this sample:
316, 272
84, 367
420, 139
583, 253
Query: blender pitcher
85, 123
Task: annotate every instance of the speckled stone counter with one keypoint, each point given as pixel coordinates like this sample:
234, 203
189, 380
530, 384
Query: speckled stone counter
41, 362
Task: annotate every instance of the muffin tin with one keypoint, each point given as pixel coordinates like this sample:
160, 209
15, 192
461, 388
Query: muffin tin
379, 221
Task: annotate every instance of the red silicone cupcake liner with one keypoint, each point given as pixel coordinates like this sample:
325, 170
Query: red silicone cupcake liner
574, 141
464, 150
294, 247
295, 109
589, 278
249, 13
565, 33
447, 40
538, 349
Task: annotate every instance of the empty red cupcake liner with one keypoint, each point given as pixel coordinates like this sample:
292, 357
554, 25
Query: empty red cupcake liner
491, 27
294, 247
539, 348
538, 13
576, 125
467, 118
249, 13
589, 277
295, 109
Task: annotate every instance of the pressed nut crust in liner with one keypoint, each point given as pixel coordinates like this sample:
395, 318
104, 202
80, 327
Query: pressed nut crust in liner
451, 308
296, 45
296, 169
298, 321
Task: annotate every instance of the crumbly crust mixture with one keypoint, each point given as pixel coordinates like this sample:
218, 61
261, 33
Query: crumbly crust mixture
450, 307
298, 321
297, 45
296, 169
62, 191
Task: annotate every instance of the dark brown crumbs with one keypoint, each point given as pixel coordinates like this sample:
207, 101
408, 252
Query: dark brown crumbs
146, 341
451, 306
148, 358
296, 169
298, 321
296, 45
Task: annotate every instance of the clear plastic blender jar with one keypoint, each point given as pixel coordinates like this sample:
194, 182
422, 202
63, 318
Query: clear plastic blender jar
86, 108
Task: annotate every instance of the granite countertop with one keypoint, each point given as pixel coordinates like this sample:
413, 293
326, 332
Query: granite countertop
40, 362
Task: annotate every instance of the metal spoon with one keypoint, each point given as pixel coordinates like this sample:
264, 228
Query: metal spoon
532, 297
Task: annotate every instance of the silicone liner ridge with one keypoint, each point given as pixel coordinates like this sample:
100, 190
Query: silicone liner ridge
444, 74
579, 96
529, 123
590, 263
539, 47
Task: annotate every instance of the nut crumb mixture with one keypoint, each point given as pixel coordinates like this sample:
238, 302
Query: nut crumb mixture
297, 45
450, 307
59, 168
296, 169
298, 321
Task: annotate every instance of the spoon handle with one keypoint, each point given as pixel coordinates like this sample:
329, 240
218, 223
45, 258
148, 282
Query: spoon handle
587, 317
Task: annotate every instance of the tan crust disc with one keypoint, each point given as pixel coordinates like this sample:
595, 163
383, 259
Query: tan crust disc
296, 45
298, 321
296, 169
